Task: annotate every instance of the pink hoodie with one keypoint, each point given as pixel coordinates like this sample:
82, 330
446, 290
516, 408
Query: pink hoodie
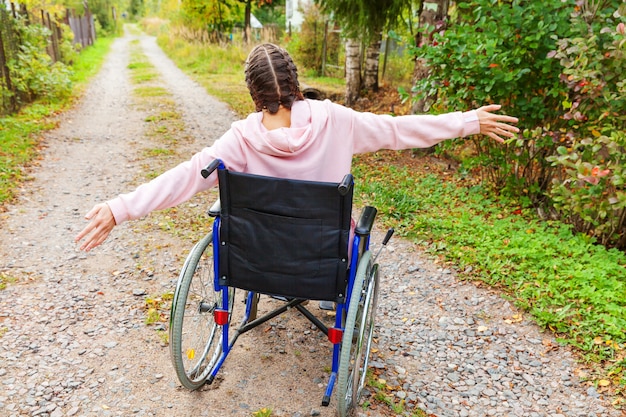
318, 146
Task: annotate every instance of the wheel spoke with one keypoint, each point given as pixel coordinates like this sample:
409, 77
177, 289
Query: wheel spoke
195, 338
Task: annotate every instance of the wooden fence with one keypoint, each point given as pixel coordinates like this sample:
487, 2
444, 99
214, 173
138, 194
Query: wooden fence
12, 15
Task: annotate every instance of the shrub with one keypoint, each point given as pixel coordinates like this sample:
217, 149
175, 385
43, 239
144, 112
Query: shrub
33, 73
497, 53
307, 44
590, 190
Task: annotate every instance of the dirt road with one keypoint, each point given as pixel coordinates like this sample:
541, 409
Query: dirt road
73, 334
74, 341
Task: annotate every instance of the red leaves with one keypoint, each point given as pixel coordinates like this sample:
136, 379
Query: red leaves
595, 176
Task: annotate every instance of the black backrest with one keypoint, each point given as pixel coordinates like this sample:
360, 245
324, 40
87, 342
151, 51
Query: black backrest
284, 237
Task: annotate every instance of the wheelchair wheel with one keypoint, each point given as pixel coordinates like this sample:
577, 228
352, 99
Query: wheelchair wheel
195, 338
357, 337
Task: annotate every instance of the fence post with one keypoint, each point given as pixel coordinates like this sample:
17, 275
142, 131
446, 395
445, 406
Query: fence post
54, 41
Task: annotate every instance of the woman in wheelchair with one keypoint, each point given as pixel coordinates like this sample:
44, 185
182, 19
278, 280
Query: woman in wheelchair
292, 159
290, 137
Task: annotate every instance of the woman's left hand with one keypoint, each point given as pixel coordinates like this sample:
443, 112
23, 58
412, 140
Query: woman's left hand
496, 125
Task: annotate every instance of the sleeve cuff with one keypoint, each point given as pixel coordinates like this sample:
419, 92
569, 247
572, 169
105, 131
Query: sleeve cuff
117, 208
471, 125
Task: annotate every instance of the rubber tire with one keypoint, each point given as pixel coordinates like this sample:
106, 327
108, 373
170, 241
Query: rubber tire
195, 338
355, 348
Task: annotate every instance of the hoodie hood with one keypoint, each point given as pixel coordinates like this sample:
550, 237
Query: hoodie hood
283, 141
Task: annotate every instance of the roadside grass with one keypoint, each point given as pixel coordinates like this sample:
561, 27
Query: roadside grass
164, 129
20, 134
565, 282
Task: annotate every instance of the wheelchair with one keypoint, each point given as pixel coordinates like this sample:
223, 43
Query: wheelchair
288, 239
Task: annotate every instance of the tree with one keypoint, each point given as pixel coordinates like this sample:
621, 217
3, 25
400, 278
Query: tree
353, 70
247, 25
247, 20
362, 23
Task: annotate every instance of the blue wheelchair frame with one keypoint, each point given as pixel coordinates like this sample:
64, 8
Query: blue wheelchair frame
334, 334
320, 268
360, 244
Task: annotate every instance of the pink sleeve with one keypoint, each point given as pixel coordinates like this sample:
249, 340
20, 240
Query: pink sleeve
177, 185
372, 132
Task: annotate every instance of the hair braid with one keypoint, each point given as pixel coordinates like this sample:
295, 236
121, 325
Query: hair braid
272, 78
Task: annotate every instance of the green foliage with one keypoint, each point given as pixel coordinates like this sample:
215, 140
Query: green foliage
498, 53
590, 190
364, 19
559, 67
307, 45
505, 61
568, 283
212, 15
33, 73
102, 10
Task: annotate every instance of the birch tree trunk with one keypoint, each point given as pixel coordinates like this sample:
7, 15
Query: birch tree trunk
372, 54
353, 70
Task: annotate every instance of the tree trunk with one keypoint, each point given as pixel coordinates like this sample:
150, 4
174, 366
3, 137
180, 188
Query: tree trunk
353, 70
372, 53
432, 14
246, 21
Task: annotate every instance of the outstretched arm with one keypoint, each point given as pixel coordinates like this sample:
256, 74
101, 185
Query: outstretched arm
496, 125
98, 229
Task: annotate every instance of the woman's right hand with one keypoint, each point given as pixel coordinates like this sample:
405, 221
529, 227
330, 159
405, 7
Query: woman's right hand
98, 229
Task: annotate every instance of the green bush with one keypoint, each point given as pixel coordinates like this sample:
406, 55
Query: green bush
590, 190
496, 52
559, 67
33, 73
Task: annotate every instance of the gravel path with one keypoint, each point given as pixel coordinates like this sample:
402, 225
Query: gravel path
73, 341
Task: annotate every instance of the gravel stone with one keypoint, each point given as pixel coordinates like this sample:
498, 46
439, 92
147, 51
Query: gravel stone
73, 338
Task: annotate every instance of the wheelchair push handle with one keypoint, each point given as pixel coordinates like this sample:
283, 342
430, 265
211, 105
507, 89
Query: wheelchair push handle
346, 184
210, 168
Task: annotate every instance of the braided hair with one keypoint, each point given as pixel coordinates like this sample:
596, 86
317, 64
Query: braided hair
272, 78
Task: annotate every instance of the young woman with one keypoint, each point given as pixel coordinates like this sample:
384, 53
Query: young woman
291, 137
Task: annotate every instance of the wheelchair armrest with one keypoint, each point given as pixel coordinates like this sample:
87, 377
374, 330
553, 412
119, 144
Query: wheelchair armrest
366, 221
215, 209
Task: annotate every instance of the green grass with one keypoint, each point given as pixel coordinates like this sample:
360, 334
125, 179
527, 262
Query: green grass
20, 133
150, 92
5, 280
569, 284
